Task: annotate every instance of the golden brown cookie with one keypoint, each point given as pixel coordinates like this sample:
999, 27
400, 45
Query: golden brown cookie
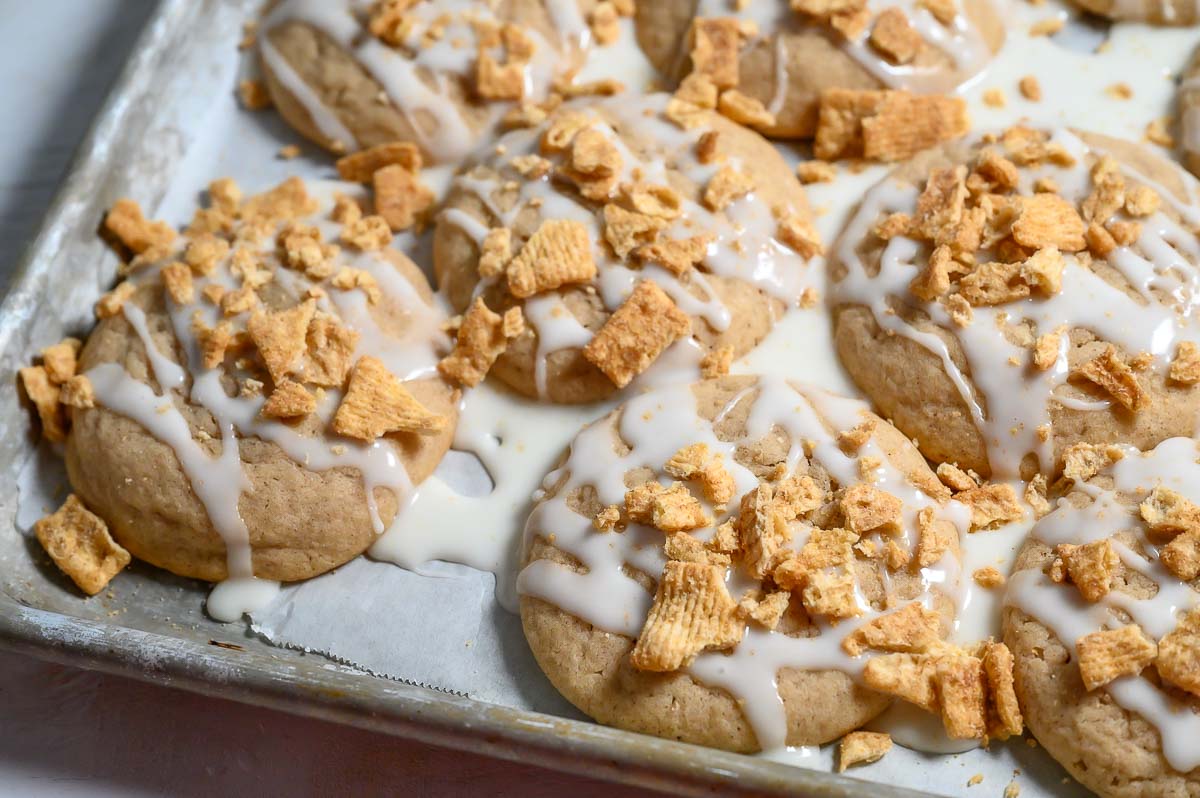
705, 551
624, 230
1004, 299
1102, 620
349, 76
260, 395
781, 59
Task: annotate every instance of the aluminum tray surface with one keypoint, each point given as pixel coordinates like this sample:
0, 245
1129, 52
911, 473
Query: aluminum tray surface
149, 624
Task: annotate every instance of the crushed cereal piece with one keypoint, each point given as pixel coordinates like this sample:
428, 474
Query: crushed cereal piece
675, 509
745, 110
906, 676
725, 186
815, 172
1004, 713
254, 95
692, 612
604, 22
991, 505
832, 594
1082, 461
717, 362
1185, 367
988, 577
557, 254
240, 300
80, 545
1141, 201
59, 360
376, 403
1182, 555
280, 337
762, 529
1113, 375
885, 125
715, 45
348, 279
482, 337
937, 536
361, 166
1119, 91
894, 37
677, 255
400, 196
911, 629
1091, 567
1030, 88
955, 478
862, 748
44, 395
765, 610
140, 235
1045, 350
626, 230
329, 348
961, 695
204, 252
1178, 660
1158, 132
607, 519
110, 304
78, 392
1046, 27
495, 252
799, 233
177, 279
1048, 220
869, 509
214, 342
994, 98
367, 234
636, 334
1112, 653
697, 462
289, 400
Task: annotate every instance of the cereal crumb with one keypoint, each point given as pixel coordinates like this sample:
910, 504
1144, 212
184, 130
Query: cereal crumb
376, 403
1030, 88
79, 543
861, 748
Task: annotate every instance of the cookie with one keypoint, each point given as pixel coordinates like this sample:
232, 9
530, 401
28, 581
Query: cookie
437, 74
782, 58
1188, 100
734, 563
1103, 618
1002, 300
260, 396
1155, 12
625, 232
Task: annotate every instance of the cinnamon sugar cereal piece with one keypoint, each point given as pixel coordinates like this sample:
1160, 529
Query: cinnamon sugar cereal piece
1142, 201
329, 348
911, 629
906, 676
240, 300
651, 199
716, 363
1091, 567
832, 594
799, 233
1043, 270
204, 252
936, 536
1046, 27
959, 310
361, 166
1168, 513
400, 196
1045, 350
885, 125
1182, 555
1035, 495
862, 748
1185, 367
636, 334
504, 81
1099, 241
685, 548
692, 612
140, 235
557, 254
1004, 713
726, 539
869, 509
44, 395
111, 303
991, 505
765, 610
1030, 88
960, 686
944, 11
850, 23
744, 109
177, 280
994, 98
988, 577
815, 172
1082, 461
347, 279
367, 234
639, 501
715, 45
677, 255
290, 399
955, 478
563, 129
1112, 653
605, 23
706, 147
78, 542
214, 342
762, 529
254, 95
1119, 91
60, 360
1113, 375
78, 392
675, 509
1048, 220
994, 283
825, 548
376, 403
853, 439
607, 519
894, 37
797, 496
725, 186
1158, 132
1124, 233
495, 252
626, 230
288, 200
481, 338
280, 337
1178, 660
699, 463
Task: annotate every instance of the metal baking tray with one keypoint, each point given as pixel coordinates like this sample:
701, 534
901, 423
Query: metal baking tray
149, 625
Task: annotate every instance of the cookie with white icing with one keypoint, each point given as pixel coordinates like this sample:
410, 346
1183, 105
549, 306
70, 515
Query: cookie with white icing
260, 396
350, 74
782, 57
1002, 300
625, 236
1103, 618
704, 544
1155, 12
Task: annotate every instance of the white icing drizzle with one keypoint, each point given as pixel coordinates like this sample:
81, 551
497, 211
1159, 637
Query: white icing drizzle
218, 481
1164, 258
1061, 609
416, 76
960, 41
655, 425
744, 245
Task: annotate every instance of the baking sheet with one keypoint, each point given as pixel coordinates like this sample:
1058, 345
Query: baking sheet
174, 126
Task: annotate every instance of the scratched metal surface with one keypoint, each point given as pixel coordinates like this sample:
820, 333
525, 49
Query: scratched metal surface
150, 624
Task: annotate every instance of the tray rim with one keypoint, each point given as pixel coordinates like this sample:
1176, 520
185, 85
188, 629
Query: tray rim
341, 695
